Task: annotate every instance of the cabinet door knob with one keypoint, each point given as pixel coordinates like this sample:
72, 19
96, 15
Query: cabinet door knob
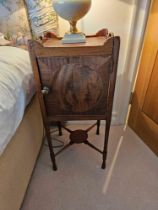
45, 90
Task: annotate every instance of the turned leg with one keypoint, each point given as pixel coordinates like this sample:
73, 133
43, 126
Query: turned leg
98, 127
52, 156
107, 129
60, 128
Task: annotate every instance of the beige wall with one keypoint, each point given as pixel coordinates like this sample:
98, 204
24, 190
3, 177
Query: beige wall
120, 17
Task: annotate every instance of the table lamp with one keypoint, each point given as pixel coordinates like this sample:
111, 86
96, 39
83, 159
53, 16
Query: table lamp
72, 11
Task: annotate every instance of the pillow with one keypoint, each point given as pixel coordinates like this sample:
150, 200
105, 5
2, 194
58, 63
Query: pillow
13, 22
4, 41
21, 20
42, 16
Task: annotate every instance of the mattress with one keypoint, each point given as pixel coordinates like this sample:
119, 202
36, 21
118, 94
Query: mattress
16, 90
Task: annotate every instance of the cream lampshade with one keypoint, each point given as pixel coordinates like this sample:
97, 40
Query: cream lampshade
72, 11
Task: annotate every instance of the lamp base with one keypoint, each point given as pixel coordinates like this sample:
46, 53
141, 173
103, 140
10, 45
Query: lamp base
74, 38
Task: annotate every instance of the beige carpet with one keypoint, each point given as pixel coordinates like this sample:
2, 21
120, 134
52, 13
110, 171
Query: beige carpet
130, 181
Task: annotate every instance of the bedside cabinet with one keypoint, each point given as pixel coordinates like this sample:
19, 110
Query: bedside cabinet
76, 82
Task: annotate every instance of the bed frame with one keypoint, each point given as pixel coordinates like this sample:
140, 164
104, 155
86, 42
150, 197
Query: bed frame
18, 160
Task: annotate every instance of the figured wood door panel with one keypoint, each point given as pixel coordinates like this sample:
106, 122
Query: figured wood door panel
143, 118
78, 85
150, 107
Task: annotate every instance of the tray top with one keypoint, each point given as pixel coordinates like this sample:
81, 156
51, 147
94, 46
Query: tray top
90, 42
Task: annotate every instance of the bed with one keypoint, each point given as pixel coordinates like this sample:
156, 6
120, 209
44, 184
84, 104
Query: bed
21, 127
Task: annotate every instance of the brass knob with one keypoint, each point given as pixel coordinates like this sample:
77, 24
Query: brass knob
45, 90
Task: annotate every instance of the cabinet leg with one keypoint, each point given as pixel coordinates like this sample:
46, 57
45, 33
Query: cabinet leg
54, 166
104, 160
107, 129
60, 129
98, 127
49, 140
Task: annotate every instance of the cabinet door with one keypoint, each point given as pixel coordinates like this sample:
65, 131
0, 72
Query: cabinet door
144, 110
78, 85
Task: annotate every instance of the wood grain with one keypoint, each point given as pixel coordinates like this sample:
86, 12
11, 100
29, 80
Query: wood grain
150, 107
76, 82
144, 112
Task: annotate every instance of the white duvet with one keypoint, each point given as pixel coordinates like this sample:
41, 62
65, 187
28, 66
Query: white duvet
16, 90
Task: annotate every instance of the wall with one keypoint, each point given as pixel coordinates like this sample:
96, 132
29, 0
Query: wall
127, 19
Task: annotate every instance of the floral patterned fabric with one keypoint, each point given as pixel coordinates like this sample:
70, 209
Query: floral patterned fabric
42, 16
14, 23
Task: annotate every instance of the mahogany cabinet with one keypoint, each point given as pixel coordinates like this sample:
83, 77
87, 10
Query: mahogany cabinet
76, 82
